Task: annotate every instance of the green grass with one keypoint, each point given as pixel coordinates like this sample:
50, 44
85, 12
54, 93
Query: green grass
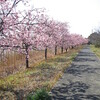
44, 74
95, 50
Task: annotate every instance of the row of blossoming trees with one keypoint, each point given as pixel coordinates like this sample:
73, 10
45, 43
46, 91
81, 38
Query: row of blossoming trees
23, 31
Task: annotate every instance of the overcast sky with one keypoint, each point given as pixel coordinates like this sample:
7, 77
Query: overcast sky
82, 15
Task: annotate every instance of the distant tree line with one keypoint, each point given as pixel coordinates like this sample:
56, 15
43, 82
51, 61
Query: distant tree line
94, 38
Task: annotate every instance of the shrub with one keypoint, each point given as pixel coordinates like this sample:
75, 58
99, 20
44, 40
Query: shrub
97, 45
39, 95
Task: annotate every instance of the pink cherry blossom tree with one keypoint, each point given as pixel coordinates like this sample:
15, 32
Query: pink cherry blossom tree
24, 34
18, 30
44, 38
63, 35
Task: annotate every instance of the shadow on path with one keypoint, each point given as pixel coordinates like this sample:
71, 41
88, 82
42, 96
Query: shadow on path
78, 70
73, 91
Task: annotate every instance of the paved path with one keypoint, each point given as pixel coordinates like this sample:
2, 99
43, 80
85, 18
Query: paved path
81, 81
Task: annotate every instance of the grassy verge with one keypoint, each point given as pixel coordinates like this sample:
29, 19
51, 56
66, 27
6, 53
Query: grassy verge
43, 75
95, 50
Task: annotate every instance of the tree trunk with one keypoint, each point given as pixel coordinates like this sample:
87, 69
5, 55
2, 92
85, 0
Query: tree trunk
62, 49
67, 50
55, 50
27, 60
46, 53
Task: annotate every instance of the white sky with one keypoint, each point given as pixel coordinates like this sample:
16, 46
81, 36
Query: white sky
82, 15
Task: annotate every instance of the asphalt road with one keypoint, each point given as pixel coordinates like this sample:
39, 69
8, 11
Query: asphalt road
81, 80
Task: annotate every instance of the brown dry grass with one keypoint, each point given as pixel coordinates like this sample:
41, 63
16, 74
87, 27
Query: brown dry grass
12, 62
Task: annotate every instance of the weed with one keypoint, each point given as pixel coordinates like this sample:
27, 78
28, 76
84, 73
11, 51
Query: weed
40, 94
